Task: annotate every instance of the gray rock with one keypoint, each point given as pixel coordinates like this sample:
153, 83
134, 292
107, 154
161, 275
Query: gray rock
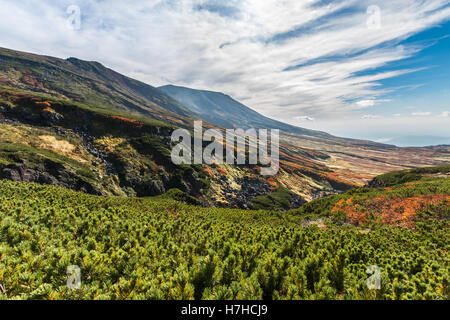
156, 187
51, 118
11, 174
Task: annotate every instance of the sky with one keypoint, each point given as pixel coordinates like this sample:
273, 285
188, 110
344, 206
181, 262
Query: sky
375, 69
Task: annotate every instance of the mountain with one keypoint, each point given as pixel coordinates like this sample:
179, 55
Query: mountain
88, 82
80, 125
222, 110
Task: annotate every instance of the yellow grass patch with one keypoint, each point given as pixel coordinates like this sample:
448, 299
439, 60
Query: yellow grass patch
60, 146
109, 143
50, 142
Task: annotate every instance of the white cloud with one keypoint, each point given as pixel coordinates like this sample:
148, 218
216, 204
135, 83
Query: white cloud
370, 116
303, 118
445, 114
366, 103
163, 42
421, 114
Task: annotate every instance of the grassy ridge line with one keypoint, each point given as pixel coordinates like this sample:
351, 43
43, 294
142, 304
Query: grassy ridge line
158, 248
397, 177
88, 82
8, 94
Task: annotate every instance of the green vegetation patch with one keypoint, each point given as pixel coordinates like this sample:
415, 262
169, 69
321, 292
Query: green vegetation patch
278, 200
398, 177
159, 248
15, 153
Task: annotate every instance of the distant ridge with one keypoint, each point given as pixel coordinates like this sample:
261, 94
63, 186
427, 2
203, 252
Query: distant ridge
222, 110
92, 83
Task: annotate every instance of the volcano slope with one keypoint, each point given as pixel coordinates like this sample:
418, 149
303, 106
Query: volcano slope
81, 125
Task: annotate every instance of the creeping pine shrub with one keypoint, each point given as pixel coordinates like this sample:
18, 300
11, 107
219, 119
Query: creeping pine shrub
161, 248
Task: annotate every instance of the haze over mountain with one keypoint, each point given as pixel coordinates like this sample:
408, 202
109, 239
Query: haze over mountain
222, 110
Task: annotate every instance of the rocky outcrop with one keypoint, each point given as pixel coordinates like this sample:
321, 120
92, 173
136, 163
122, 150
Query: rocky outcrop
249, 189
47, 172
156, 187
47, 118
88, 143
297, 201
51, 118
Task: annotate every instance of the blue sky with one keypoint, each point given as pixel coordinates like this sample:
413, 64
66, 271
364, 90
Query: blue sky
427, 88
358, 68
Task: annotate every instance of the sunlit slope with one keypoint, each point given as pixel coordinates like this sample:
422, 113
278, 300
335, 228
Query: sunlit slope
105, 151
88, 82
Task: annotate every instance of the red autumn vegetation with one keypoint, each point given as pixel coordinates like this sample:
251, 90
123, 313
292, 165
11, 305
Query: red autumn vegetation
46, 104
31, 80
4, 80
394, 211
208, 171
273, 185
129, 121
222, 172
48, 110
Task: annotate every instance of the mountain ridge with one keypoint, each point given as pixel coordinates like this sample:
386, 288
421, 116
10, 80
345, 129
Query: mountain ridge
93, 83
221, 109
55, 105
88, 82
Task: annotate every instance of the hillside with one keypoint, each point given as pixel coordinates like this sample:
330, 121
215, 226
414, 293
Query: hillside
102, 151
399, 198
90, 83
80, 125
159, 248
351, 160
60, 142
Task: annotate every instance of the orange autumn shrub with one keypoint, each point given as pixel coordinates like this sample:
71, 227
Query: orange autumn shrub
222, 172
44, 103
49, 110
208, 171
338, 206
402, 211
352, 213
273, 185
130, 121
394, 211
